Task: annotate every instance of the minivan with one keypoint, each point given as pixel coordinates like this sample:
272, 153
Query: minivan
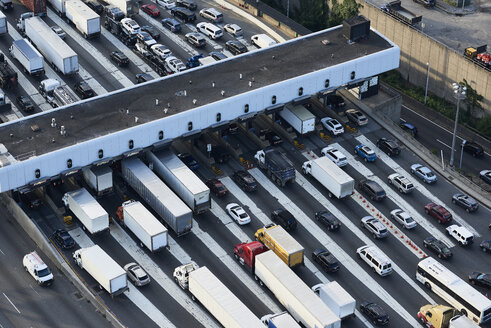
262, 41
210, 30
211, 14
377, 260
372, 189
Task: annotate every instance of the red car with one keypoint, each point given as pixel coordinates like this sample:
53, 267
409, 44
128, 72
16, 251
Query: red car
152, 10
438, 212
217, 187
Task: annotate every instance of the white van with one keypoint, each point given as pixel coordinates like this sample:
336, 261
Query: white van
377, 260
39, 271
210, 30
262, 41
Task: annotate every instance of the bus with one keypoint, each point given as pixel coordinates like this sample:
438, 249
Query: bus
454, 290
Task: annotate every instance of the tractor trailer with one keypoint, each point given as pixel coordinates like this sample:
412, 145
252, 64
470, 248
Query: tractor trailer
84, 18
336, 298
100, 179
279, 241
90, 213
299, 118
28, 56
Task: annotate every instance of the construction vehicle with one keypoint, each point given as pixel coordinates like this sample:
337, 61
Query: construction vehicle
441, 316
478, 55
396, 10
8, 77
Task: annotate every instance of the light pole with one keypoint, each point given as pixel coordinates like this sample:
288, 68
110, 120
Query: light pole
427, 78
461, 154
459, 92
288, 9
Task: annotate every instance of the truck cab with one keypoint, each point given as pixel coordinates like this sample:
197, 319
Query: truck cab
436, 316
246, 253
20, 22
181, 274
37, 269
46, 87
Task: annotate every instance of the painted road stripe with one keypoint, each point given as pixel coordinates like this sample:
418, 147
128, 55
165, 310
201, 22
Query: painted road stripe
91, 81
337, 251
178, 252
417, 184
129, 53
229, 261
179, 295
8, 299
96, 54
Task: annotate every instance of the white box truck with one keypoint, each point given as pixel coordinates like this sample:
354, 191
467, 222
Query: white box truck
84, 18
100, 179
128, 7
181, 180
336, 298
144, 225
337, 182
299, 118
93, 217
58, 6
279, 320
55, 50
109, 274
28, 56
3, 24
297, 298
156, 193
215, 296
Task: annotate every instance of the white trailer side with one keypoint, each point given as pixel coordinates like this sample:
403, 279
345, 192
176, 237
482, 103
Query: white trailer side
336, 181
293, 293
336, 298
58, 6
100, 179
28, 56
84, 18
128, 7
93, 217
299, 117
3, 23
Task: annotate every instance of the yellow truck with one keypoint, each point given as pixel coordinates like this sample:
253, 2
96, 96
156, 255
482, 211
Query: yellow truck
281, 243
441, 316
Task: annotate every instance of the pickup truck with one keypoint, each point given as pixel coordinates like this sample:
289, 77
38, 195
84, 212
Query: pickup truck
461, 234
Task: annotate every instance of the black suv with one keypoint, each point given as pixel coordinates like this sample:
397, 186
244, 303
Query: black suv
438, 247
152, 31
335, 101
95, 6
143, 77
235, 47
388, 146
329, 220
25, 103
63, 239
284, 219
190, 4
84, 90
374, 312
120, 58
326, 260
473, 148
373, 189
185, 14
245, 180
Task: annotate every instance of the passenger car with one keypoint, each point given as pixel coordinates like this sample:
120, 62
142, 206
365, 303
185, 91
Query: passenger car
284, 219
146, 39
438, 212
167, 4
400, 182
136, 274
210, 30
143, 77
467, 202
151, 9
130, 25
374, 226
238, 214
245, 180
235, 47
473, 148
211, 14
374, 312
63, 239
161, 50
357, 117
403, 218
334, 155
174, 64
217, 187
120, 58
485, 246
485, 175
217, 55
388, 146
185, 14
332, 126
195, 39
409, 128
479, 278
366, 153
58, 31
325, 259
233, 29
189, 161
25, 103
83, 90
171, 24
328, 219
273, 138
152, 31
372, 189
190, 4
423, 173
438, 246
463, 236
335, 101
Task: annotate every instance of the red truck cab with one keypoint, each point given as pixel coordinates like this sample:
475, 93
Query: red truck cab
246, 253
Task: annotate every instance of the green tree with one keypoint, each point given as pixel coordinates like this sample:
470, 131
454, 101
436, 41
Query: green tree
342, 11
472, 100
313, 14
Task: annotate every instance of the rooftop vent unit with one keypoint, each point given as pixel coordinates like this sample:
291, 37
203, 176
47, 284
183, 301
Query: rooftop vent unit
356, 28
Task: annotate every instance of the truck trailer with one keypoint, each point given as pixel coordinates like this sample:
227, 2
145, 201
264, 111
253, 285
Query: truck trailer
299, 117
37, 7
55, 50
215, 297
181, 180
128, 7
100, 179
144, 225
28, 56
277, 166
396, 10
336, 298
62, 96
279, 320
3, 23
156, 193
334, 179
282, 244
84, 18
109, 274
93, 217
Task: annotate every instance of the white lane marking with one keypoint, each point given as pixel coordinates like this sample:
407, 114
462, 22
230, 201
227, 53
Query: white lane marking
2, 252
445, 144
33, 289
228, 260
337, 251
8, 299
147, 307
179, 295
96, 54
419, 186
91, 81
129, 53
178, 252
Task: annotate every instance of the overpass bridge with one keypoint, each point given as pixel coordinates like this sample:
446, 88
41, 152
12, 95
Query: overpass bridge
123, 123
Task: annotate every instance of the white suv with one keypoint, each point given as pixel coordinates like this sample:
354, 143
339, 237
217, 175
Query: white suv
403, 218
332, 125
161, 50
210, 30
174, 64
461, 234
401, 183
334, 155
130, 25
374, 226
211, 14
